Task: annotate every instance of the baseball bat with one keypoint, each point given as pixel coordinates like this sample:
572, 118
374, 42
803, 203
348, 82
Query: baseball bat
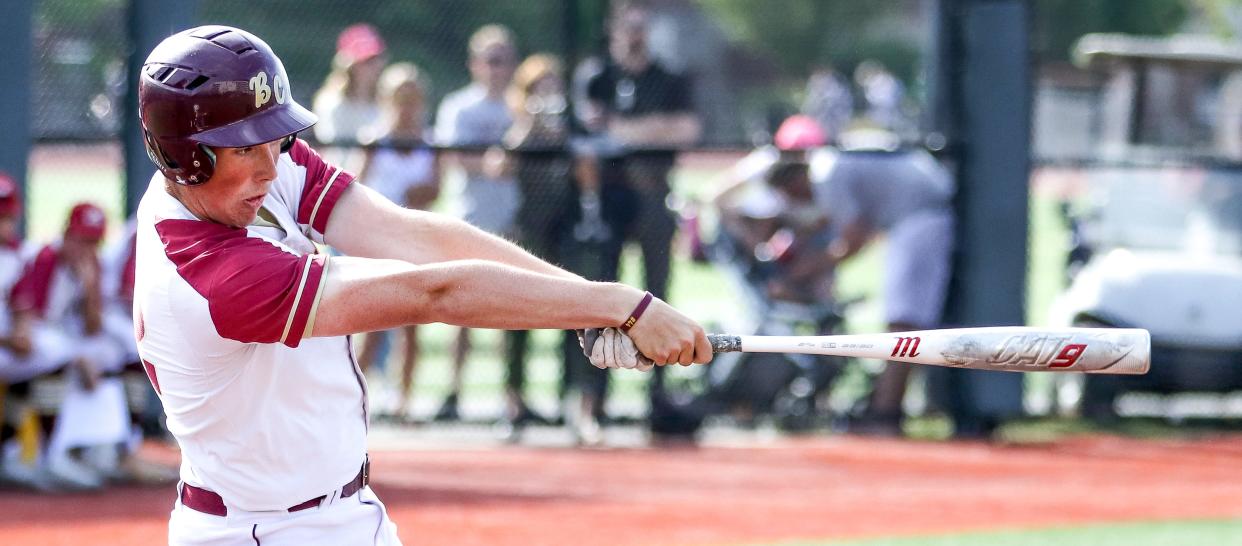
1124, 351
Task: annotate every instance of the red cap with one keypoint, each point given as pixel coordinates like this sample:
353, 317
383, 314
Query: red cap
87, 221
10, 197
799, 132
359, 42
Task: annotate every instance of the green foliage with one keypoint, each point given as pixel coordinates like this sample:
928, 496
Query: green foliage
1121, 534
432, 35
1059, 23
75, 13
797, 34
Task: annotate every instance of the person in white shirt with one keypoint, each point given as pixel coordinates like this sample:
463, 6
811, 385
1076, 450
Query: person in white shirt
244, 324
58, 303
402, 167
347, 103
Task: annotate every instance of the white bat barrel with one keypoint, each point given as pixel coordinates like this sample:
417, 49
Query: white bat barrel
1005, 348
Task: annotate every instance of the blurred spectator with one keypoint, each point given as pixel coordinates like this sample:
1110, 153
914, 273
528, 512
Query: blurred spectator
768, 209
24, 355
636, 104
402, 167
882, 93
476, 116
540, 160
749, 203
829, 100
346, 103
59, 303
871, 188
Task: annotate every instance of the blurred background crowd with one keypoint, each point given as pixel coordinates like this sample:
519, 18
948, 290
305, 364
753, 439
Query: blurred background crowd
784, 167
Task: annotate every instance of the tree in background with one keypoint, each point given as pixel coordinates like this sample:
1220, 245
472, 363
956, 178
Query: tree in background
1060, 23
798, 34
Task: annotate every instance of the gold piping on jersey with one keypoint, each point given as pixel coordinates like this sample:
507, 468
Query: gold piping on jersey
315, 211
314, 310
297, 299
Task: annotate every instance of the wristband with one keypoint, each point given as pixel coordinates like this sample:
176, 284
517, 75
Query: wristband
636, 313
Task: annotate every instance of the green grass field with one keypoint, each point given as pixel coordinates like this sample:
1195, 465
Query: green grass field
1169, 533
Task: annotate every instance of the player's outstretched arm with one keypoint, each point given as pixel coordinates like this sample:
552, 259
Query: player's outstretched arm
362, 295
365, 224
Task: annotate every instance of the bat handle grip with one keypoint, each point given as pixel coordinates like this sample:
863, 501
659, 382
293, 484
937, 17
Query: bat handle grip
723, 343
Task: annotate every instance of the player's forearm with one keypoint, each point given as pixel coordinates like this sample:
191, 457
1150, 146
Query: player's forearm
491, 295
365, 295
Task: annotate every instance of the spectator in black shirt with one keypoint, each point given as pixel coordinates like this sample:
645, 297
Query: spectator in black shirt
638, 107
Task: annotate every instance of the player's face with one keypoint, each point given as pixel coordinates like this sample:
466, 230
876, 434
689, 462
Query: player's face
236, 189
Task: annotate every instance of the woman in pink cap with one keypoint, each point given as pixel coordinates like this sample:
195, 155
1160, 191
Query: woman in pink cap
347, 101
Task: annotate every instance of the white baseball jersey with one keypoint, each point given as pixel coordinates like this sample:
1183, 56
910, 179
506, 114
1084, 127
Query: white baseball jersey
266, 416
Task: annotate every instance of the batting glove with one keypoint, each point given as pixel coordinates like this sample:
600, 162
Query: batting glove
612, 348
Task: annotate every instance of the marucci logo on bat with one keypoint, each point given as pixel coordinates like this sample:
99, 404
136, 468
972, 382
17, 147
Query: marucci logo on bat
906, 347
1038, 351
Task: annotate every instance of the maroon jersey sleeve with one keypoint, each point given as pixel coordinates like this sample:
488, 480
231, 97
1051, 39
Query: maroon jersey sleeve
323, 186
256, 291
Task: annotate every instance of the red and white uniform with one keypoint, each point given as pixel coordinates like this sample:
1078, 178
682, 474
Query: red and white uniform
50, 350
49, 290
267, 417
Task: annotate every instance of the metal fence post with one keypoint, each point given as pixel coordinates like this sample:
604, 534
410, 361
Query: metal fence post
986, 80
150, 21
16, 52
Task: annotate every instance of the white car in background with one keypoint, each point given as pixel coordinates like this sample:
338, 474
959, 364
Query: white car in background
1160, 249
1157, 215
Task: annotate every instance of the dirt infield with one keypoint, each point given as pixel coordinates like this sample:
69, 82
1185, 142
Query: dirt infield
805, 488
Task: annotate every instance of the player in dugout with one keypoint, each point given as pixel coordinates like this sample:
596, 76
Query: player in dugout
244, 323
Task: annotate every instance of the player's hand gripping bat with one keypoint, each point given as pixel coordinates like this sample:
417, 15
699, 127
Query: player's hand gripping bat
1007, 348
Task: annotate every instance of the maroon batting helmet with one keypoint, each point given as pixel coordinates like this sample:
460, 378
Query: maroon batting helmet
213, 86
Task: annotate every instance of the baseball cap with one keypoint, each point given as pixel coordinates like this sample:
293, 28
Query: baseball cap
86, 221
799, 132
10, 197
358, 42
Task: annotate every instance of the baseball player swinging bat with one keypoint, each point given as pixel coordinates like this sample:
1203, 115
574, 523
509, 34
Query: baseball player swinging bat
1006, 348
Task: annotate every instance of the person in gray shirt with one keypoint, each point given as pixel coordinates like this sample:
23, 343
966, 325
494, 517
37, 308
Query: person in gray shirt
476, 116
870, 189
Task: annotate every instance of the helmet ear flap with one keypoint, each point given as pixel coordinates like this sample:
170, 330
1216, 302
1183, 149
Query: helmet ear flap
153, 151
286, 143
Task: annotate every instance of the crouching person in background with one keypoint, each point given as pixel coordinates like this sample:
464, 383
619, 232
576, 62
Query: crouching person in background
27, 354
58, 303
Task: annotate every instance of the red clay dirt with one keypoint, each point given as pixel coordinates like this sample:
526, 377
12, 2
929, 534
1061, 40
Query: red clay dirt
828, 487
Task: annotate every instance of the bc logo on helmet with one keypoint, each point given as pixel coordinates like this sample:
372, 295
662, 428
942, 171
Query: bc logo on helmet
264, 93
